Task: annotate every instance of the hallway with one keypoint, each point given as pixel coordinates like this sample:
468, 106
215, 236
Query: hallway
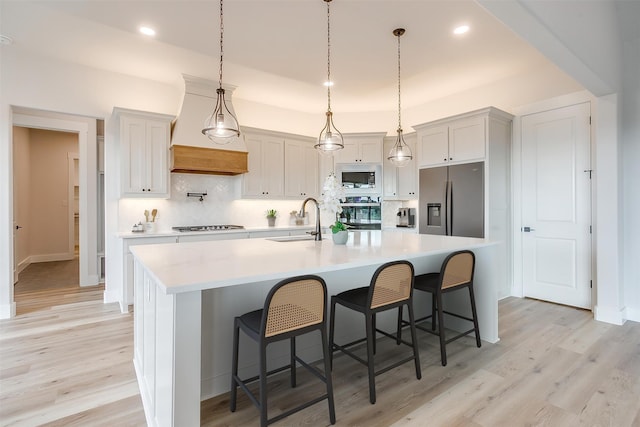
45, 284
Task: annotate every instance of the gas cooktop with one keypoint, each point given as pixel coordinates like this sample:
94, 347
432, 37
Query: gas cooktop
186, 228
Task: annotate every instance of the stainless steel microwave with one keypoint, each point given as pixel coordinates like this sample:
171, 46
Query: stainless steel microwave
360, 178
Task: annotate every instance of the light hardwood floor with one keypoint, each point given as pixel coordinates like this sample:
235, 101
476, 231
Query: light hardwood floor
70, 365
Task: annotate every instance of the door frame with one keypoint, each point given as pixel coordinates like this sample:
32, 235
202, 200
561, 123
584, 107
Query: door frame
87, 156
71, 158
517, 286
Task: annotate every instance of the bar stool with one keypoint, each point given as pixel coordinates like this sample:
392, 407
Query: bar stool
456, 273
294, 306
391, 287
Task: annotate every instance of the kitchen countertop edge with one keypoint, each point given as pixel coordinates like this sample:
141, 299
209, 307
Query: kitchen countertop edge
171, 233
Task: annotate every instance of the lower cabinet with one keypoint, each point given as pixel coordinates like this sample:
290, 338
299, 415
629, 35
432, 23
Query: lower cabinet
128, 271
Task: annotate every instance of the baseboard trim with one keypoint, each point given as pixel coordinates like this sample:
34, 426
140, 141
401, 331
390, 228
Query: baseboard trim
7, 311
110, 297
92, 280
609, 315
65, 256
633, 314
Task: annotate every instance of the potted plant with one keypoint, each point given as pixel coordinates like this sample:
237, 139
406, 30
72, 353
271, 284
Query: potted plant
339, 233
271, 217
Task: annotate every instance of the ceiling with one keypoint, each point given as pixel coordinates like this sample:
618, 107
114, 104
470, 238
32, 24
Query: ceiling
275, 51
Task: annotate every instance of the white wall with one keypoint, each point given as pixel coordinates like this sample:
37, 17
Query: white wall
45, 84
630, 160
48, 192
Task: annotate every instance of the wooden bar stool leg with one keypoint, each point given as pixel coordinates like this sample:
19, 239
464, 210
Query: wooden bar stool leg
326, 352
370, 361
373, 336
332, 326
433, 312
475, 316
414, 341
440, 309
263, 385
399, 328
234, 367
293, 362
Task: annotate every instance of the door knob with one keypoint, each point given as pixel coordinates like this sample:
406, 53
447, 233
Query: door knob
528, 229
18, 227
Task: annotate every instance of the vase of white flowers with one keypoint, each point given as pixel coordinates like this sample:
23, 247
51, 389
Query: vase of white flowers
332, 192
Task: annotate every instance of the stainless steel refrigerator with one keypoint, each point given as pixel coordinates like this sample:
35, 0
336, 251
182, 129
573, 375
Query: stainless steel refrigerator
452, 200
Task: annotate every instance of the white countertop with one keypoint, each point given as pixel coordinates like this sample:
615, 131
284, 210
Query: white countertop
186, 267
165, 233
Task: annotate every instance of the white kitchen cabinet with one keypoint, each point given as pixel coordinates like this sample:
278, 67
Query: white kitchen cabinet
361, 148
479, 136
265, 178
127, 297
400, 183
301, 168
461, 139
144, 148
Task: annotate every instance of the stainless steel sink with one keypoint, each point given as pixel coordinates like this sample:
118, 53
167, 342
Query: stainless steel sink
299, 238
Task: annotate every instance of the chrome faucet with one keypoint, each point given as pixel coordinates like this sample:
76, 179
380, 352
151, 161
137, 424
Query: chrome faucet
317, 233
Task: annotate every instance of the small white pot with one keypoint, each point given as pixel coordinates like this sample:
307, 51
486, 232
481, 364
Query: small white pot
340, 238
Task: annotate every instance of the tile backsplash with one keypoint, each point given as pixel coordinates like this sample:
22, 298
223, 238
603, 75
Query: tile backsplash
222, 205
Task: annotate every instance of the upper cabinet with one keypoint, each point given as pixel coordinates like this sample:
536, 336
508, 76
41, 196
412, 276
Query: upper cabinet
300, 167
265, 178
400, 183
456, 140
144, 148
281, 165
361, 148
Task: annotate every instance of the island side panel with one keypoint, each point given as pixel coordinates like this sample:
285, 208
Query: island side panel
144, 340
178, 344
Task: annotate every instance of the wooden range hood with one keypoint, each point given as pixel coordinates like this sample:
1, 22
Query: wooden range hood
212, 161
193, 152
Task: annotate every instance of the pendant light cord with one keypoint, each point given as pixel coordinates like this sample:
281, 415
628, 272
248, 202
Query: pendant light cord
328, 57
399, 109
221, 45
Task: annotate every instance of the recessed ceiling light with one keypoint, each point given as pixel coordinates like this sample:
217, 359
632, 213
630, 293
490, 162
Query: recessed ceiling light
328, 84
461, 29
147, 31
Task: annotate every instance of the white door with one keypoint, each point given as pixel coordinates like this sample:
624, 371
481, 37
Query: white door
556, 205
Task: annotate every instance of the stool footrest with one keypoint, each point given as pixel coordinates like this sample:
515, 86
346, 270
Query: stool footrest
296, 409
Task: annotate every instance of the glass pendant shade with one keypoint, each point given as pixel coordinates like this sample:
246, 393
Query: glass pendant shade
400, 155
221, 126
330, 138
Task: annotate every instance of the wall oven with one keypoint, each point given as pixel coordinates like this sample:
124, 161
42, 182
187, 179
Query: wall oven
362, 212
360, 179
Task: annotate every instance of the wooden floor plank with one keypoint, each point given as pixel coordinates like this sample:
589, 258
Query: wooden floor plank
66, 360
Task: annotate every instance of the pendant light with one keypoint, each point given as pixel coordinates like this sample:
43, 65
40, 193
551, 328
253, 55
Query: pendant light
221, 126
400, 155
330, 138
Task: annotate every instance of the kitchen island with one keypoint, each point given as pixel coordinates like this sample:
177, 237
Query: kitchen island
186, 296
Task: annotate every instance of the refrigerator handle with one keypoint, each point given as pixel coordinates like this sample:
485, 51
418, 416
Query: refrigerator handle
446, 208
451, 205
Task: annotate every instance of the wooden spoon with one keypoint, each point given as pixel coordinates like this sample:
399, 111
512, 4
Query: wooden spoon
153, 215
146, 215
